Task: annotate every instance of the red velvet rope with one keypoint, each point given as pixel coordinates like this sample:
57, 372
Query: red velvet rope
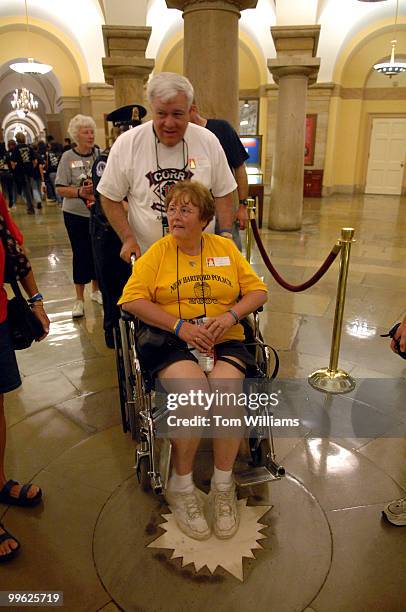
302, 287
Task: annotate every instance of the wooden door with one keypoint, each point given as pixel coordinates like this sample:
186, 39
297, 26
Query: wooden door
386, 156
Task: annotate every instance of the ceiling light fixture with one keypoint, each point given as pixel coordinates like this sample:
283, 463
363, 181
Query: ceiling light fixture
392, 67
30, 66
23, 102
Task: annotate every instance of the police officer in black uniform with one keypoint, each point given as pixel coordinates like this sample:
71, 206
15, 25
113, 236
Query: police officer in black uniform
111, 271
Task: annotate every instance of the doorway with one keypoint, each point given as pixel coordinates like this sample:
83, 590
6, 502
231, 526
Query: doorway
387, 153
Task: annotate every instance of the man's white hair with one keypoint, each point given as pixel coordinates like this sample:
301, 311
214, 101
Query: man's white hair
167, 85
77, 122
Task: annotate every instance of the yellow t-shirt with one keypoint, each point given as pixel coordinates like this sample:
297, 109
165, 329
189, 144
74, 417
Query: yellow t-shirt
189, 286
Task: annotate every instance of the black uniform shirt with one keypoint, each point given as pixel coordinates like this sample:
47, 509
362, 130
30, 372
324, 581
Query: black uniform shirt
229, 140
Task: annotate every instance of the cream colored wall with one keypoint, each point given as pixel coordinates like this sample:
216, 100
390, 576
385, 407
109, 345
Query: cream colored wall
46, 51
48, 45
249, 73
354, 100
173, 61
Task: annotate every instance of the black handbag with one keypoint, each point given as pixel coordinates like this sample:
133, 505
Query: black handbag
16, 263
24, 326
150, 339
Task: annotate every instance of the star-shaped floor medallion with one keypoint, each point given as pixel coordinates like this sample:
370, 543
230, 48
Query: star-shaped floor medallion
213, 552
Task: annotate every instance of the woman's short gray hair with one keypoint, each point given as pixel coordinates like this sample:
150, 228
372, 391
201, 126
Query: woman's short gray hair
77, 122
167, 85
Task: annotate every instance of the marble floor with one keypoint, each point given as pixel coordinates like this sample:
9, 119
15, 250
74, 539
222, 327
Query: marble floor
327, 548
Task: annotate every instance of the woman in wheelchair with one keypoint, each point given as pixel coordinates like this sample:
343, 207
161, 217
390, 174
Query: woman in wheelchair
190, 289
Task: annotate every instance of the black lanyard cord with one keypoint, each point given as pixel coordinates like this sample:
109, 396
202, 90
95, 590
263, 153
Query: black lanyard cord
185, 153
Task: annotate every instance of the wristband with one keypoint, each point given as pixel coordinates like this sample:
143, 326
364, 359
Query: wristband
175, 325
178, 326
38, 297
228, 230
235, 315
244, 202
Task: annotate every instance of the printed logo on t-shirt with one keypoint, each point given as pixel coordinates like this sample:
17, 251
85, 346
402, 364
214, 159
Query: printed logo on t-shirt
100, 168
202, 293
201, 288
25, 155
162, 182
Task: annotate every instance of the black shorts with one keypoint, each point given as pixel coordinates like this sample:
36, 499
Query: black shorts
9, 374
178, 351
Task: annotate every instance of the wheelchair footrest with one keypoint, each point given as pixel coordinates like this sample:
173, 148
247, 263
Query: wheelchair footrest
254, 476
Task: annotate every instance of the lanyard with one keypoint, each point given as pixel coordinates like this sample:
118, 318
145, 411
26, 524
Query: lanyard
185, 153
201, 276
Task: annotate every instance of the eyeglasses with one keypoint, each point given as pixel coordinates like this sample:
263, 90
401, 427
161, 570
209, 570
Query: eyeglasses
184, 211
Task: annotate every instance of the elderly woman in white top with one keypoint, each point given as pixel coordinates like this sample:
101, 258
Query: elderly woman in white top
74, 184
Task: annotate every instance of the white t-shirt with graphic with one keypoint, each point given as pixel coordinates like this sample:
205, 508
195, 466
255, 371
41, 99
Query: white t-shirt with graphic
145, 170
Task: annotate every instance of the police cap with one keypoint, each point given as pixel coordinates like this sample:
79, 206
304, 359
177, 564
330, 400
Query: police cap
130, 115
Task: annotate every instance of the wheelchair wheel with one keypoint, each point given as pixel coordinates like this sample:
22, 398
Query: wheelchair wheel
259, 450
127, 381
122, 390
142, 474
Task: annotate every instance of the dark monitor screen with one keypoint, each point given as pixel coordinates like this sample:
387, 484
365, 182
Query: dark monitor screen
252, 145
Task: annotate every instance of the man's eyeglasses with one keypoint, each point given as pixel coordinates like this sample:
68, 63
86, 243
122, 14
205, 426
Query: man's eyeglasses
184, 211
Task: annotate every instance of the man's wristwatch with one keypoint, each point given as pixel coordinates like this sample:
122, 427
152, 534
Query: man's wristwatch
244, 202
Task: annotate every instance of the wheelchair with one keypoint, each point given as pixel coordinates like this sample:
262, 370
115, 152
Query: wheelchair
141, 414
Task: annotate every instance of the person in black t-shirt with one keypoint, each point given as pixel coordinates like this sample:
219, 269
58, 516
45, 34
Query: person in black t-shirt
22, 162
67, 144
6, 176
53, 156
236, 157
38, 175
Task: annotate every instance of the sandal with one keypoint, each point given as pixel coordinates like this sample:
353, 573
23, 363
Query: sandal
7, 536
23, 499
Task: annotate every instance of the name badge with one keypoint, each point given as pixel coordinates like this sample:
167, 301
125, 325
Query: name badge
216, 262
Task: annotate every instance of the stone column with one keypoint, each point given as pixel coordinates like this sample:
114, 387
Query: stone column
54, 126
294, 69
69, 107
211, 53
97, 100
126, 67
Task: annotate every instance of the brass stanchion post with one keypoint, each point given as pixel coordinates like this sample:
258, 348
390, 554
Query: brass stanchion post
331, 379
251, 210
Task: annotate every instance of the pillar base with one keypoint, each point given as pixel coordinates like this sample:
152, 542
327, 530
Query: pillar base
331, 382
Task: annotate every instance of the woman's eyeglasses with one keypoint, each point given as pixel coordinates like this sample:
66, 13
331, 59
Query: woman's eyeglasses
184, 211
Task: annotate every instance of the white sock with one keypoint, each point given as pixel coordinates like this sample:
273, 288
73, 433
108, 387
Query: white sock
181, 484
222, 479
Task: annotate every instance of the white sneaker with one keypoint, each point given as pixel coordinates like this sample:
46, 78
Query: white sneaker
78, 309
224, 511
395, 511
96, 296
187, 509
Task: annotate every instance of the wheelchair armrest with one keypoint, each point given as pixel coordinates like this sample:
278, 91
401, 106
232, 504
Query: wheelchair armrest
126, 316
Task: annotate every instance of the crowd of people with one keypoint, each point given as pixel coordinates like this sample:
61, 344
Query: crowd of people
27, 171
161, 194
